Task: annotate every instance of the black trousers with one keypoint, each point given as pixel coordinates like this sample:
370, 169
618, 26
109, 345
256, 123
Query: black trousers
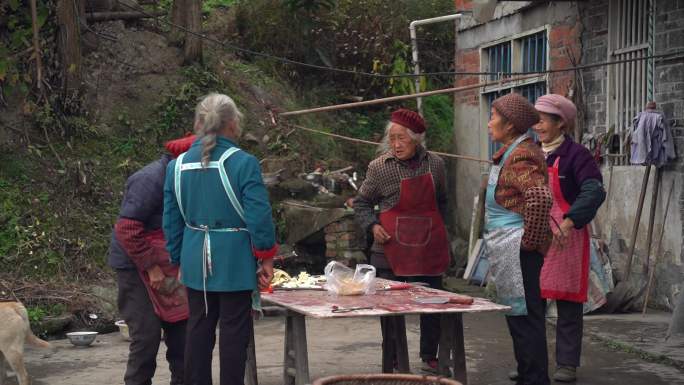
144, 327
232, 311
529, 331
569, 333
429, 323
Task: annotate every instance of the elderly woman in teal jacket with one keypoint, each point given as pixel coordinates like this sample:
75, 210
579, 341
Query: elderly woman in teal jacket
219, 229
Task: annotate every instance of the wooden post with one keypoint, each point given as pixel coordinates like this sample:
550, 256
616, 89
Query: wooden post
446, 340
637, 220
289, 353
69, 43
652, 271
296, 360
192, 47
651, 218
3, 372
301, 351
458, 350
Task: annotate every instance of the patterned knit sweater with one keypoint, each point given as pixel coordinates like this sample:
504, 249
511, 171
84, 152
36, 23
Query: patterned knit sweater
523, 188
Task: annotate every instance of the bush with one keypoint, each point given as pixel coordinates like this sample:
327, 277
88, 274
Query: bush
361, 35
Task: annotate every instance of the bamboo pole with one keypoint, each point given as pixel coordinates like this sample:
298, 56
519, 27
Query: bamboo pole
463, 157
659, 249
637, 220
404, 97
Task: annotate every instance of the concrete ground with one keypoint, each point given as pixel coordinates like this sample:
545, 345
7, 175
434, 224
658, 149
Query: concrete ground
353, 346
644, 335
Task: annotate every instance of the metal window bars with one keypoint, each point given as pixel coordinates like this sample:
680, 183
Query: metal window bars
630, 83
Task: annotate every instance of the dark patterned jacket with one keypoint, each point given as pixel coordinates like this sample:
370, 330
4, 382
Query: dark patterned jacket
141, 212
523, 188
383, 178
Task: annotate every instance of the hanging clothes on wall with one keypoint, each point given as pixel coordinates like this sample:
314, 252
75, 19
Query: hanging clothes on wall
652, 141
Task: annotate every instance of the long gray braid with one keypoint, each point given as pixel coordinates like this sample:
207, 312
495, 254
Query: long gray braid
212, 115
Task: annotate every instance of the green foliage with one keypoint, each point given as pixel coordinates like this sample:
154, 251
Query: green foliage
15, 35
209, 5
309, 5
362, 35
38, 313
175, 113
400, 65
439, 114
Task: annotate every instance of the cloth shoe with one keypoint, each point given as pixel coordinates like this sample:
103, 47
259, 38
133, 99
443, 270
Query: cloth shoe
565, 374
513, 375
430, 366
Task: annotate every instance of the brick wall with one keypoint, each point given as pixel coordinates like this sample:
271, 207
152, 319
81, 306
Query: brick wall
344, 242
669, 95
594, 17
564, 44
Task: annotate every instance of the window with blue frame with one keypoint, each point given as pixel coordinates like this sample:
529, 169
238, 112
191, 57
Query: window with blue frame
499, 59
527, 53
534, 52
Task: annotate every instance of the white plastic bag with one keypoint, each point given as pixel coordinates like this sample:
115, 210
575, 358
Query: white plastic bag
342, 280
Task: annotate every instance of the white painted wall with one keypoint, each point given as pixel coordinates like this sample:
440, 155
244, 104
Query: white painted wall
468, 140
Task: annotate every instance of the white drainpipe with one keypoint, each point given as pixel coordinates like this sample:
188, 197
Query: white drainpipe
414, 48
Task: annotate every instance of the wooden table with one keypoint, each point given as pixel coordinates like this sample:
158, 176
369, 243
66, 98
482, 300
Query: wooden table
392, 306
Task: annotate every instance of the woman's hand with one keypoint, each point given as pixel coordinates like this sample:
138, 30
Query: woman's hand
560, 235
156, 276
265, 274
380, 234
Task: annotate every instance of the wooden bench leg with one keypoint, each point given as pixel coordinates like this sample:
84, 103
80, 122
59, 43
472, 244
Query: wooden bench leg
452, 348
458, 350
251, 368
3, 372
296, 360
445, 345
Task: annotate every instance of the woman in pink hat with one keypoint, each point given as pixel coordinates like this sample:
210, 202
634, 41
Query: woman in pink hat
577, 186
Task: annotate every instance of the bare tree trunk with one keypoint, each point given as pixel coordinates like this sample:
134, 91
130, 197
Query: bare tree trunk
177, 18
36, 47
193, 43
69, 44
677, 323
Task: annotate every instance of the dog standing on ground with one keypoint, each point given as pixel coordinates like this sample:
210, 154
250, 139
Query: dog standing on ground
16, 331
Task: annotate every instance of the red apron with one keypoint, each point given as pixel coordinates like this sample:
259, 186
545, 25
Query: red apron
418, 243
173, 306
565, 273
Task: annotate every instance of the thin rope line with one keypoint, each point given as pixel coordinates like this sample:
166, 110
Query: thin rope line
356, 140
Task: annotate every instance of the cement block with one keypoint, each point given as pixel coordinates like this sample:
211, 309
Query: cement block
675, 39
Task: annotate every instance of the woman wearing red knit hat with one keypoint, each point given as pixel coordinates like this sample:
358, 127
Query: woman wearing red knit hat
410, 239
517, 231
